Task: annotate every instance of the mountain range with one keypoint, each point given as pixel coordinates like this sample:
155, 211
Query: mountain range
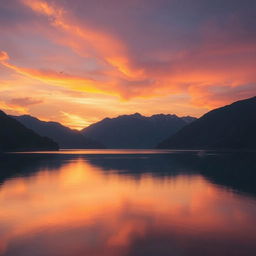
229, 127
64, 136
16, 137
127, 131
135, 131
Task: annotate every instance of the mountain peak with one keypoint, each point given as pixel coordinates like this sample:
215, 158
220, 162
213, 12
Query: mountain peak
2, 113
136, 114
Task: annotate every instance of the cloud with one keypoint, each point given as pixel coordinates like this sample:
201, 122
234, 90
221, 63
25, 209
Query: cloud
211, 62
129, 52
75, 121
3, 56
24, 102
215, 96
106, 47
12, 108
117, 86
19, 105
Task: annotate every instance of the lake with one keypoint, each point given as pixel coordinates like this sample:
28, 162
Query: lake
128, 203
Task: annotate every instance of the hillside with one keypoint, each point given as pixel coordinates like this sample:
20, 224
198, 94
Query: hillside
228, 127
16, 137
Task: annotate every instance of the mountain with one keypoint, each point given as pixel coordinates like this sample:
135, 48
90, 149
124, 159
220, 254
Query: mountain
228, 127
135, 131
16, 137
64, 136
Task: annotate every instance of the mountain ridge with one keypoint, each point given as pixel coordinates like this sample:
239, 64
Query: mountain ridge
135, 130
14, 136
67, 138
229, 127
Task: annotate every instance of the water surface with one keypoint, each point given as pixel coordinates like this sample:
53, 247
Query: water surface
115, 203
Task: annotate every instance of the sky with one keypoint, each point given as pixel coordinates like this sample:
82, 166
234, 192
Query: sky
77, 62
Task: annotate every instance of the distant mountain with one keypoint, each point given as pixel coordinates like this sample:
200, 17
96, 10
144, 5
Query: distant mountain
64, 136
16, 137
229, 127
135, 131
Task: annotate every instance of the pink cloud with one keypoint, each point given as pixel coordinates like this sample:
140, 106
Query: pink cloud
24, 102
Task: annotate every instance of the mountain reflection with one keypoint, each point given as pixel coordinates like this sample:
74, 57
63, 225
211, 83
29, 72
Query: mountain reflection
127, 204
233, 170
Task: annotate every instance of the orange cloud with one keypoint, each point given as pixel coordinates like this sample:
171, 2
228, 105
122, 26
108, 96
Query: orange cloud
57, 78
107, 47
13, 108
19, 105
3, 56
116, 86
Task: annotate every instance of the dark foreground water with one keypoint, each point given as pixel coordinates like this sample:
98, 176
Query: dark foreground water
128, 203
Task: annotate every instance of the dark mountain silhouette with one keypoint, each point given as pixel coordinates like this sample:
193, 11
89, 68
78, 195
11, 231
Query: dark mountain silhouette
16, 137
135, 131
229, 127
64, 136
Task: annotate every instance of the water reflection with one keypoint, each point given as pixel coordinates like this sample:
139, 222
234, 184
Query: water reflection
127, 204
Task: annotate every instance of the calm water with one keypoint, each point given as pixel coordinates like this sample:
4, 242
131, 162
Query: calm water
128, 203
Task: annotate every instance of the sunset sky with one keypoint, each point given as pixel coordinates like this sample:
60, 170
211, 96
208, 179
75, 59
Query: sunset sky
79, 61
